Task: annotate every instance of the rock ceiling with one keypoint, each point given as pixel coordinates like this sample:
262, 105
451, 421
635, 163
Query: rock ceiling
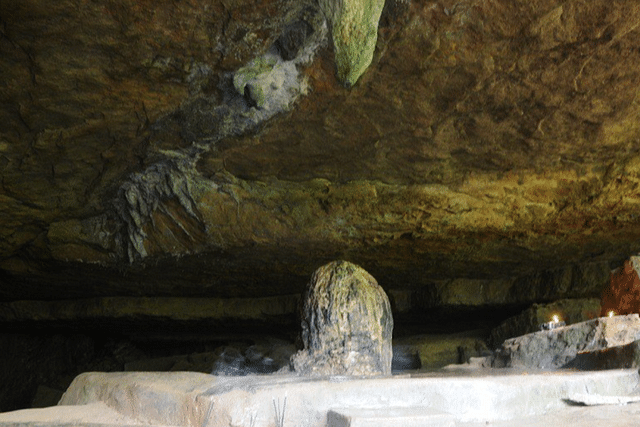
206, 148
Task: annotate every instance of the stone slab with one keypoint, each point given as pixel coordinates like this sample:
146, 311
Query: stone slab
559, 347
594, 399
196, 400
576, 416
169, 398
93, 414
389, 417
619, 357
569, 310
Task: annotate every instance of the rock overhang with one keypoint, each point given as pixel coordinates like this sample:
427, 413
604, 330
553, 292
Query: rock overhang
485, 141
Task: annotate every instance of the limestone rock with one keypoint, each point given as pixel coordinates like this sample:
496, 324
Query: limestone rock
346, 324
354, 30
558, 347
618, 357
569, 310
490, 140
622, 295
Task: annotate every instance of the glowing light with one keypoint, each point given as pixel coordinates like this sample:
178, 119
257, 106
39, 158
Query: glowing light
612, 313
555, 318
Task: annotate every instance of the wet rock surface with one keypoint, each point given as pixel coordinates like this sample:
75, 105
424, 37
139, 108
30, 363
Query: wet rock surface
347, 324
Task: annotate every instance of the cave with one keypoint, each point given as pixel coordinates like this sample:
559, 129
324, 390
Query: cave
173, 172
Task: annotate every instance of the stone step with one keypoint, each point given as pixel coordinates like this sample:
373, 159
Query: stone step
96, 414
190, 399
389, 417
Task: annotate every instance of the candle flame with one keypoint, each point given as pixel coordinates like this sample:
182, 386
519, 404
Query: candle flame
612, 313
556, 318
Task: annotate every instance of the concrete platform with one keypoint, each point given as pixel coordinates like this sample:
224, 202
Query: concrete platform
463, 397
389, 417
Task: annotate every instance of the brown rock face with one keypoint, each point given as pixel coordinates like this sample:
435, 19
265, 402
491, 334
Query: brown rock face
204, 148
346, 324
622, 295
155, 152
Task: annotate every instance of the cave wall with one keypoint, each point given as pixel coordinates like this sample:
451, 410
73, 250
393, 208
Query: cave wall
487, 139
177, 165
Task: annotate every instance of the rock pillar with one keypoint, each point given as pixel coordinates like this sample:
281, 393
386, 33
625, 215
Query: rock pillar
347, 324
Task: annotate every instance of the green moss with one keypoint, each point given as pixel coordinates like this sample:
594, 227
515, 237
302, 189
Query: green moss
354, 30
251, 71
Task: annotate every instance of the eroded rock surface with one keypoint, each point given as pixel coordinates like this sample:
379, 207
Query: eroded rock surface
485, 161
347, 324
568, 310
487, 138
559, 347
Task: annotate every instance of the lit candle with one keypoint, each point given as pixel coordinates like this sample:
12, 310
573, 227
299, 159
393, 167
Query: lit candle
612, 313
554, 323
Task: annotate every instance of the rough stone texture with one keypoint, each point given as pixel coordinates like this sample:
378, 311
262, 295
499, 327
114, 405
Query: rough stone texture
261, 355
145, 152
487, 138
445, 177
156, 398
568, 310
181, 398
611, 409
625, 356
354, 32
209, 311
96, 414
622, 294
266, 357
347, 324
559, 347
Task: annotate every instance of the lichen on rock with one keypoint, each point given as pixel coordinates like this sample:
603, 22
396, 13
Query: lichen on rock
268, 82
346, 324
354, 30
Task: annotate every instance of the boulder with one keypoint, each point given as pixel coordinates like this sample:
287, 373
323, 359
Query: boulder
346, 324
617, 357
569, 310
265, 357
559, 347
622, 295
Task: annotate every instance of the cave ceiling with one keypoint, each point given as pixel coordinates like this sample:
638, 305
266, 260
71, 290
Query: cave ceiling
206, 147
